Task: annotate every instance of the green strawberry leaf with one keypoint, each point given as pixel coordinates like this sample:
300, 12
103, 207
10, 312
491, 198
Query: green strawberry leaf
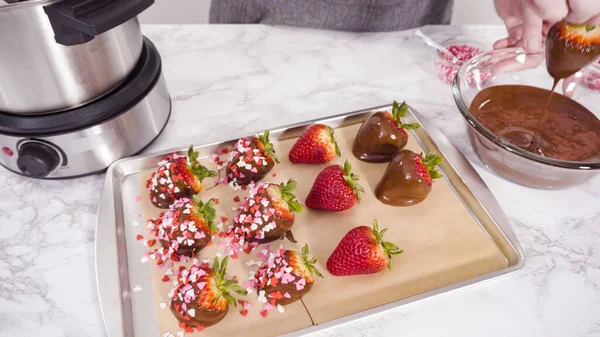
333, 141
207, 211
431, 161
351, 179
230, 299
309, 263
269, 150
410, 126
389, 248
287, 194
296, 206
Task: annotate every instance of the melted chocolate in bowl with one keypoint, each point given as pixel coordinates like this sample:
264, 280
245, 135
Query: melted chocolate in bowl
559, 128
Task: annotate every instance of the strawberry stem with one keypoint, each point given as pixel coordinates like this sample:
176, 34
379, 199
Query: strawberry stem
431, 161
333, 141
224, 285
389, 248
207, 211
287, 194
196, 168
351, 179
269, 150
399, 111
309, 263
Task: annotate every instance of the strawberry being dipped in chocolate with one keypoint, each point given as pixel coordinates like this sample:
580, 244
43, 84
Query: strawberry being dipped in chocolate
570, 47
250, 161
177, 177
203, 295
267, 214
317, 145
382, 135
186, 228
285, 277
362, 251
335, 189
408, 178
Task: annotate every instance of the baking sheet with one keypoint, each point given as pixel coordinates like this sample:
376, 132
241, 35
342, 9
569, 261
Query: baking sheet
442, 243
126, 292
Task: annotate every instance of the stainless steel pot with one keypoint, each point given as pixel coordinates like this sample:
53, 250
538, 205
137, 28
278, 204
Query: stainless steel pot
60, 54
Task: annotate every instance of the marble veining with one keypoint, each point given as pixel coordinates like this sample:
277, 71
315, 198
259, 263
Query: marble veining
228, 81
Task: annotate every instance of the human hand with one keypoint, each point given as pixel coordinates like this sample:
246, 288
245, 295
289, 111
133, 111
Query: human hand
528, 21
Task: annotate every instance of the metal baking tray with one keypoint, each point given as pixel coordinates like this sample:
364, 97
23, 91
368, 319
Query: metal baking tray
124, 288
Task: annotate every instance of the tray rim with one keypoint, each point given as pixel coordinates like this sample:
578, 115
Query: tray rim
110, 291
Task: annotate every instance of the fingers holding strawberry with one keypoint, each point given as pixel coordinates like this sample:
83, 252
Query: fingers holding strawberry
317, 145
335, 189
250, 161
177, 177
362, 251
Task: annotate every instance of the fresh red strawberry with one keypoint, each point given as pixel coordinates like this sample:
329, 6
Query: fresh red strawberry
250, 160
268, 213
317, 145
186, 228
202, 296
362, 251
335, 189
177, 177
382, 135
408, 178
285, 277
570, 48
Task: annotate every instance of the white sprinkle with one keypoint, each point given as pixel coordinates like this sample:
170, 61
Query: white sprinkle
137, 288
206, 261
169, 271
144, 259
251, 263
162, 305
190, 242
234, 208
180, 333
168, 334
162, 196
195, 261
280, 308
192, 312
218, 254
176, 189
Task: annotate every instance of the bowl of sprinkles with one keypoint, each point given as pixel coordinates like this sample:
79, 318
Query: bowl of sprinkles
591, 76
463, 48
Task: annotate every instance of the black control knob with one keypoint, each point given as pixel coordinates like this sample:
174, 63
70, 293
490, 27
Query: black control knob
37, 159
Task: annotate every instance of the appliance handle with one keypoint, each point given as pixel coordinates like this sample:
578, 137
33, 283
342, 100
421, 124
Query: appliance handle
79, 21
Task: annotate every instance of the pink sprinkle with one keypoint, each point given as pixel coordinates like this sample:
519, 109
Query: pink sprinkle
300, 284
287, 295
199, 235
287, 278
201, 285
247, 305
254, 170
138, 198
267, 306
170, 264
154, 199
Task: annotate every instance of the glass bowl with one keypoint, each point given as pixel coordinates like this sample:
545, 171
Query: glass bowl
500, 156
591, 77
464, 48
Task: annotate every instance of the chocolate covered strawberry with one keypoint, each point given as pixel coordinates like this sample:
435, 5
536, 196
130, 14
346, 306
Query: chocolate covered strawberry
382, 135
317, 145
570, 47
267, 214
408, 178
285, 277
335, 189
250, 160
177, 177
203, 295
186, 228
362, 251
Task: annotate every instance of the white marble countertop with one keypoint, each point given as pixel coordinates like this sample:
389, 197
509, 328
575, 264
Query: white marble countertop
228, 80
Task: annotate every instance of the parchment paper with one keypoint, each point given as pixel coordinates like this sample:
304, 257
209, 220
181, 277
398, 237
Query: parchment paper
443, 244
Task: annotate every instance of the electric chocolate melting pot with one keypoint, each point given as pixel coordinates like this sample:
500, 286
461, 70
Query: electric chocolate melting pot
81, 86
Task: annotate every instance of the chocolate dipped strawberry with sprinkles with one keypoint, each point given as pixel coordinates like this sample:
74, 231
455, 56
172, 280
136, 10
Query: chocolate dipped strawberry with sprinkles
250, 161
186, 228
284, 278
203, 295
267, 214
177, 177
